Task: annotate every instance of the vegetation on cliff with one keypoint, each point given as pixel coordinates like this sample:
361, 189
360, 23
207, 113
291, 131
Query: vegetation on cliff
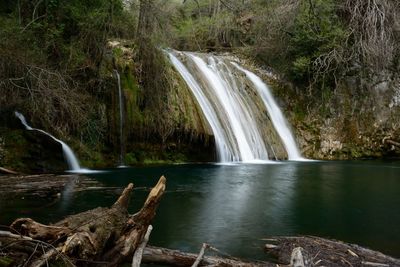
56, 67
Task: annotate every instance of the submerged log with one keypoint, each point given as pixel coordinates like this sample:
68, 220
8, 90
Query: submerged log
44, 185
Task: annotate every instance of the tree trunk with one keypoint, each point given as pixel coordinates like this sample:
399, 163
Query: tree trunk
146, 19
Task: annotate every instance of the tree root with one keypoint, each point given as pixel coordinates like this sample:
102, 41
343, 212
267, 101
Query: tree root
107, 235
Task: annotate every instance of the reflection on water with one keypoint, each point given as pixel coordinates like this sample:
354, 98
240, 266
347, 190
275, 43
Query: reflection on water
233, 207
237, 202
67, 193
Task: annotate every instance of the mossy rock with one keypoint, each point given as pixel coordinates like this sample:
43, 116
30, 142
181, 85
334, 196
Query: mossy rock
32, 151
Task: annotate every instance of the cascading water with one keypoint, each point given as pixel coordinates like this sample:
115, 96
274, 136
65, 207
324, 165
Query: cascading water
228, 107
121, 120
69, 155
224, 150
275, 114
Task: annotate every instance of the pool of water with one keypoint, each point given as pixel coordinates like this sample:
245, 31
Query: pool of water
233, 207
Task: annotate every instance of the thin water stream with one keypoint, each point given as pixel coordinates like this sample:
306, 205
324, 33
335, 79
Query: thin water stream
72, 161
234, 206
121, 120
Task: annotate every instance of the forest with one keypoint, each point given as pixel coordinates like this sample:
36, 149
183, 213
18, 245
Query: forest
268, 117
338, 61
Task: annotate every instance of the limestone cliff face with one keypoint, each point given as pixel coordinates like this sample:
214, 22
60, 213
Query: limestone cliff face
364, 120
360, 119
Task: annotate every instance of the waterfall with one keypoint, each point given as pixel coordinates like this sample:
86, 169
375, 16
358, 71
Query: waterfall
229, 107
69, 155
224, 150
225, 92
275, 114
121, 120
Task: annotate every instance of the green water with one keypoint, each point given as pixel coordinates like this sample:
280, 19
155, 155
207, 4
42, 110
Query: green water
234, 207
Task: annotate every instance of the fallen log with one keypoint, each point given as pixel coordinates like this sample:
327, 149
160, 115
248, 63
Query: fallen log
317, 251
106, 235
7, 171
200, 256
164, 256
152, 255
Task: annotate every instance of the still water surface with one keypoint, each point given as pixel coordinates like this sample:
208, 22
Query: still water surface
233, 207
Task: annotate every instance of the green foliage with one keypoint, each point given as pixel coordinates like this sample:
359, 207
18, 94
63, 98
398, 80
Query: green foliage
50, 55
6, 261
130, 159
301, 39
14, 149
117, 52
301, 67
205, 27
317, 30
193, 34
68, 34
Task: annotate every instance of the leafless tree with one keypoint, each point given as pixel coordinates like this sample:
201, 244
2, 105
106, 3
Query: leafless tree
51, 97
372, 26
372, 41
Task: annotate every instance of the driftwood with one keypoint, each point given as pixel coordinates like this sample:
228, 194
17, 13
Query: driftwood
7, 171
103, 235
201, 255
171, 257
316, 251
154, 255
394, 143
137, 256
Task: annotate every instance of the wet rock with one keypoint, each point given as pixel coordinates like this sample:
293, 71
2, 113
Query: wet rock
43, 153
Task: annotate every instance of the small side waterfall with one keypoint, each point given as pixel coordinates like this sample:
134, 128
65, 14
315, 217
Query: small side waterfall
121, 120
226, 97
69, 155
